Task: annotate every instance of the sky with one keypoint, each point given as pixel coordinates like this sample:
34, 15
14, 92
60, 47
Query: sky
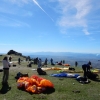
50, 26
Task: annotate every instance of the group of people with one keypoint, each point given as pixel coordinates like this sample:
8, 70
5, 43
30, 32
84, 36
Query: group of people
6, 66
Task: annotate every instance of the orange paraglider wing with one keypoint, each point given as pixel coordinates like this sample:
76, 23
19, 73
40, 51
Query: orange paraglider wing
46, 83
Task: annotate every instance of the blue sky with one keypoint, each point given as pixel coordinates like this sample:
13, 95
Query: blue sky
50, 25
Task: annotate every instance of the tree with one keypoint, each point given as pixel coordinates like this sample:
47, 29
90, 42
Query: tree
14, 52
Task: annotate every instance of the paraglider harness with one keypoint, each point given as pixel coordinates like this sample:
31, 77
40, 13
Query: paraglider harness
19, 74
92, 75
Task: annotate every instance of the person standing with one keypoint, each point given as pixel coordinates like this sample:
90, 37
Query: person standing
10, 58
19, 61
6, 66
51, 61
45, 63
39, 63
76, 63
63, 61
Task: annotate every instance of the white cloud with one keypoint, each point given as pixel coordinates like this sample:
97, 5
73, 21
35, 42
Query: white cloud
83, 8
86, 32
74, 13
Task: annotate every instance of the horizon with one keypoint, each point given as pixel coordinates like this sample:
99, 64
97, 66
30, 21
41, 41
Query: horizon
42, 52
50, 26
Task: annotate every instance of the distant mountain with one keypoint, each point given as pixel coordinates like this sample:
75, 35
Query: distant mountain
68, 54
59, 53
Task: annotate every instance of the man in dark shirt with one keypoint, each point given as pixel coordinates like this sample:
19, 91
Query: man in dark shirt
86, 69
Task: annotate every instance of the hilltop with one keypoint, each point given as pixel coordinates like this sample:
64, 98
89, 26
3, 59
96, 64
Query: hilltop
64, 87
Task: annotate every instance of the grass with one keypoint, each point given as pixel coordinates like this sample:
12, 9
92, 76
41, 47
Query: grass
63, 88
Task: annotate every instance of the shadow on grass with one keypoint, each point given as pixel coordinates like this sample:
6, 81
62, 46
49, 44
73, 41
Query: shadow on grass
49, 91
5, 88
96, 80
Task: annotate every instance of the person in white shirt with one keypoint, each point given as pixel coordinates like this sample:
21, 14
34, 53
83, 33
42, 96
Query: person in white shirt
6, 66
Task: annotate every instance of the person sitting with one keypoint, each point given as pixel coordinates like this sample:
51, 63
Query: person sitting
59, 63
70, 68
30, 64
39, 70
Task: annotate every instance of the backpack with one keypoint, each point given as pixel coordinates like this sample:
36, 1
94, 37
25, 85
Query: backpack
19, 74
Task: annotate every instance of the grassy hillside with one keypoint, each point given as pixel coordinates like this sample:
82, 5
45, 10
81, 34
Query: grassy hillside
14, 57
64, 87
